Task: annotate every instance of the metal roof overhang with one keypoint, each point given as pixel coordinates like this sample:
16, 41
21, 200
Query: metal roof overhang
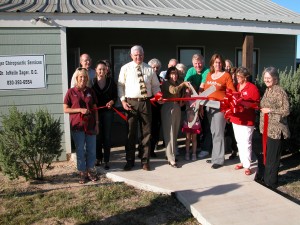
148, 22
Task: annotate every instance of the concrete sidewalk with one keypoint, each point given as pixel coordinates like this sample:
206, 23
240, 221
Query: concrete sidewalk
222, 196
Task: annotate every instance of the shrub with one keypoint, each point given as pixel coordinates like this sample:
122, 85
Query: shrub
28, 143
290, 82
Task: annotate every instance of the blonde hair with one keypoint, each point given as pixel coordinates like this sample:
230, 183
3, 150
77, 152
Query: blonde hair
181, 66
198, 56
79, 71
229, 62
154, 61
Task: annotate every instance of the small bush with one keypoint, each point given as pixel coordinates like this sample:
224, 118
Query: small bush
28, 142
290, 82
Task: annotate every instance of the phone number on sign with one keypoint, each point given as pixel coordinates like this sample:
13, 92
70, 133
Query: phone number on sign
18, 82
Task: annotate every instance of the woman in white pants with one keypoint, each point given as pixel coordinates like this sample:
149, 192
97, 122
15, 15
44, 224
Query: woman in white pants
243, 122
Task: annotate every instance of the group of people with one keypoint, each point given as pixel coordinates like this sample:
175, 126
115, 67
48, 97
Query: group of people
90, 103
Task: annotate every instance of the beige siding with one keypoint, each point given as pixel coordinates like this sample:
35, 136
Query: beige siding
27, 41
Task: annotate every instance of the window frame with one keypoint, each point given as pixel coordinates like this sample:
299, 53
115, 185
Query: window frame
196, 48
255, 60
116, 66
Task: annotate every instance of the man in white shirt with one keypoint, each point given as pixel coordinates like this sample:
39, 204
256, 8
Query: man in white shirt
137, 83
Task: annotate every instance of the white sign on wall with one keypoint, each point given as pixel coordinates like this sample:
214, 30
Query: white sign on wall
22, 72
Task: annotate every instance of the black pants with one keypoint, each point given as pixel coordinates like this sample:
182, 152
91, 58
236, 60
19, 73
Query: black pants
259, 176
141, 114
230, 134
272, 161
103, 142
207, 138
155, 127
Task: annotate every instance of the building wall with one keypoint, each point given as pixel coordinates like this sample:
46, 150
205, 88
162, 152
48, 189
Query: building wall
276, 50
29, 41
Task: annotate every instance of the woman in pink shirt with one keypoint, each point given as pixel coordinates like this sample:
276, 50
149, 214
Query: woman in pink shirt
243, 122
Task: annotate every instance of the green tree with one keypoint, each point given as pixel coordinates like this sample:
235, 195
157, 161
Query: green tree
290, 81
28, 143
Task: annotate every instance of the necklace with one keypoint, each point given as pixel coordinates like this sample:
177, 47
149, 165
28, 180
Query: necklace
217, 75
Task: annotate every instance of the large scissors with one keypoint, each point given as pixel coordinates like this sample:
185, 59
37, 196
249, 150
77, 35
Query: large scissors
209, 103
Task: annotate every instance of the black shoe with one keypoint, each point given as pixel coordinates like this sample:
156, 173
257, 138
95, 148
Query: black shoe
233, 155
146, 166
128, 166
259, 178
98, 162
208, 161
216, 166
175, 165
106, 167
153, 155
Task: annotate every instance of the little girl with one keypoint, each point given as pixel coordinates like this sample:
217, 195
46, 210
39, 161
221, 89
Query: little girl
191, 132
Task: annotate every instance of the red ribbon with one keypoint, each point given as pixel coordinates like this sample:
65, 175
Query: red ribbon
158, 97
233, 103
117, 111
265, 136
120, 114
85, 118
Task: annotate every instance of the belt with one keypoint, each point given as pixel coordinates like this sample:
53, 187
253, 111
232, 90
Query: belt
138, 99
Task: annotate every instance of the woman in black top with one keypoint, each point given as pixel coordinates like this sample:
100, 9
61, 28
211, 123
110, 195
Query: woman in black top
106, 92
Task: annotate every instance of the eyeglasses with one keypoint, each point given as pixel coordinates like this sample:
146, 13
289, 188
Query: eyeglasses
240, 76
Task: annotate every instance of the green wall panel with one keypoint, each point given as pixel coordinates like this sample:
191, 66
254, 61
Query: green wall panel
29, 41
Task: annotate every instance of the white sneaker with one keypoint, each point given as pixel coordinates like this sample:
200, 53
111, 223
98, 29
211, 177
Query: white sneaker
187, 156
194, 158
203, 154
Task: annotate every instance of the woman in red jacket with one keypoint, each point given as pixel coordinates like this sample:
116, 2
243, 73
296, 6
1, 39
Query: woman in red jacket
243, 122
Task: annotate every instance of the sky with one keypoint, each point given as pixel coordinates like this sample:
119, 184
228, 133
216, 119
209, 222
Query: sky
293, 5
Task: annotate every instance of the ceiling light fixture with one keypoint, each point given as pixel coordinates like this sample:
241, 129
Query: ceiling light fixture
42, 19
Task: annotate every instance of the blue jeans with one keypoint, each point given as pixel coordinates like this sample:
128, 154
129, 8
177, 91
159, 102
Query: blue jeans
85, 150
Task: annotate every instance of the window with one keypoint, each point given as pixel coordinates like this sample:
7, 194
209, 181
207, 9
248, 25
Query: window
120, 56
185, 55
255, 61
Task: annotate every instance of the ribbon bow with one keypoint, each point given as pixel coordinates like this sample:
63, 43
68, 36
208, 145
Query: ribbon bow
233, 103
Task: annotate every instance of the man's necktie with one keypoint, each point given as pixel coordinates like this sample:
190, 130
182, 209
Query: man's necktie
141, 82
